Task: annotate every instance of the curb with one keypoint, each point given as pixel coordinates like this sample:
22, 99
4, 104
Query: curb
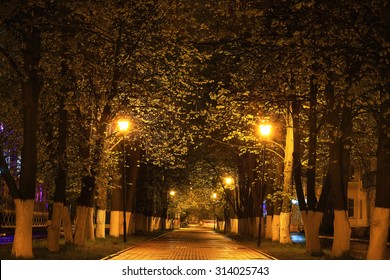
134, 246
253, 249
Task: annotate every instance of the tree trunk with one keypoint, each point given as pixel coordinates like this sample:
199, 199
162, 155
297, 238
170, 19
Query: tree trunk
84, 222
89, 225
116, 209
339, 173
101, 223
312, 147
81, 220
311, 218
67, 225
22, 245
339, 159
276, 228
379, 231
342, 233
268, 226
277, 205
380, 221
285, 218
312, 221
54, 229
114, 223
31, 87
101, 212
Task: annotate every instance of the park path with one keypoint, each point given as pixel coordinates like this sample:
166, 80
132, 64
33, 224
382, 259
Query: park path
193, 243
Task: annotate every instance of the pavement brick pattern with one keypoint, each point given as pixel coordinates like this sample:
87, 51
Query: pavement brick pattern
190, 244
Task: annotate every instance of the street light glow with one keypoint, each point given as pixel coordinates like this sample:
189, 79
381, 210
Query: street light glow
229, 180
214, 195
123, 125
265, 129
172, 193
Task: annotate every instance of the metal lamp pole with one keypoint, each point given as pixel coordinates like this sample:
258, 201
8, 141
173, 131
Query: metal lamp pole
123, 126
261, 194
265, 130
215, 214
124, 189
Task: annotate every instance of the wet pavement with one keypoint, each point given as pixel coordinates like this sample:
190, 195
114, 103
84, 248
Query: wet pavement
192, 243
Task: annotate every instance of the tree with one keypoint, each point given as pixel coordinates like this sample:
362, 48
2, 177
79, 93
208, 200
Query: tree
380, 220
23, 21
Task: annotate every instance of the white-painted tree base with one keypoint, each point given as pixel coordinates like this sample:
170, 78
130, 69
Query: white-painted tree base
101, 223
276, 228
54, 229
312, 221
342, 234
89, 225
285, 220
67, 225
81, 219
22, 245
268, 227
114, 223
378, 234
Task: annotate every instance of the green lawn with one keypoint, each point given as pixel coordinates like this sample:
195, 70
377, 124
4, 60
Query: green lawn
296, 251
93, 250
280, 251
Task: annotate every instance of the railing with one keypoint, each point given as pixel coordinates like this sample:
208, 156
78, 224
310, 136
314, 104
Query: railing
8, 219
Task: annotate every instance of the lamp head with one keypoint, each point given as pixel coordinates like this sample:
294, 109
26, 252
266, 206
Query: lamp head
265, 129
123, 125
229, 180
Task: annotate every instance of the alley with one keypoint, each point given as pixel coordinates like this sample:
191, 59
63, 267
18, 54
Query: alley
193, 243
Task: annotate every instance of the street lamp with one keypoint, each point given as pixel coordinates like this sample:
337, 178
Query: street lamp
229, 182
215, 215
172, 193
123, 126
265, 131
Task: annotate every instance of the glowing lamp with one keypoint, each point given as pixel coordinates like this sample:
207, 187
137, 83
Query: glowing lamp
123, 125
229, 180
265, 129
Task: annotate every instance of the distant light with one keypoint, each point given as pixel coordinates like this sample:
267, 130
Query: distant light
214, 195
265, 129
229, 180
123, 125
172, 193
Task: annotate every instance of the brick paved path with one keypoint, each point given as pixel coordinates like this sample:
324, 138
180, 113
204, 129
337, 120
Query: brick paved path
190, 244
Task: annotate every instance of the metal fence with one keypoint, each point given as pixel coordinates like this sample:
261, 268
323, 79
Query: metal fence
8, 219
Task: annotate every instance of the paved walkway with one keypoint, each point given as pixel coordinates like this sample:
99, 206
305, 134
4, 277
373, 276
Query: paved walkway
190, 244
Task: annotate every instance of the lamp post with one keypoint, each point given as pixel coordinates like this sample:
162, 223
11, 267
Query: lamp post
215, 215
171, 195
123, 126
265, 131
228, 182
